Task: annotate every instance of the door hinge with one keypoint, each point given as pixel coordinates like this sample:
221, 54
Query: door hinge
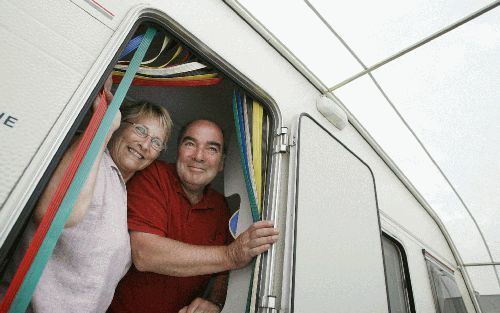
283, 142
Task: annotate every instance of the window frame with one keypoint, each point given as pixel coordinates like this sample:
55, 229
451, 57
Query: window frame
432, 263
407, 287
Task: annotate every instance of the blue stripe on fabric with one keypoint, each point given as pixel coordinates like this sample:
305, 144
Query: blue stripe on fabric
240, 135
131, 46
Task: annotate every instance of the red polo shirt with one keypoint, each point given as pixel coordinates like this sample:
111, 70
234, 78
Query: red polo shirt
158, 205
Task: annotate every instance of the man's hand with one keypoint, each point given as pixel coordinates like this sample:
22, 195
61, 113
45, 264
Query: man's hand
256, 239
200, 305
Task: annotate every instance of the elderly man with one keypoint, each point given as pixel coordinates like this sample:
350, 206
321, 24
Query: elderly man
178, 230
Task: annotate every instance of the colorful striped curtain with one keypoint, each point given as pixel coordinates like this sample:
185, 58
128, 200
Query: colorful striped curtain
167, 63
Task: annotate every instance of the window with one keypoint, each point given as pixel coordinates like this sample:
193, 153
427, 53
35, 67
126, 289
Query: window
397, 276
447, 296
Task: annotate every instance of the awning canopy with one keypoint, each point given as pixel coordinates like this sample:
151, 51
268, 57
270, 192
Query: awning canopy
423, 78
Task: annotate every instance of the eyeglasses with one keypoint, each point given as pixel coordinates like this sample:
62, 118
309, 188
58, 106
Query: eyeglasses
143, 132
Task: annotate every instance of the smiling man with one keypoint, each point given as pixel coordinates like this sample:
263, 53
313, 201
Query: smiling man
179, 233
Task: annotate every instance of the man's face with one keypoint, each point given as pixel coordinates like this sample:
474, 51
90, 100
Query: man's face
200, 155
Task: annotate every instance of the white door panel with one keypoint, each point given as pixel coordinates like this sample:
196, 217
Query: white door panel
338, 255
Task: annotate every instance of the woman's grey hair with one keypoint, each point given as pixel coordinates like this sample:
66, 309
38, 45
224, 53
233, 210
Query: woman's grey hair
136, 110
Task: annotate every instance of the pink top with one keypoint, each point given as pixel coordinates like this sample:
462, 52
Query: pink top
91, 257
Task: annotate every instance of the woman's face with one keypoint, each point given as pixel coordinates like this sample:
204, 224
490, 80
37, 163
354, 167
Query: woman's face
130, 151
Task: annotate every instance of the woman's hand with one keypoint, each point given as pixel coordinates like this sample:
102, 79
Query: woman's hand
106, 90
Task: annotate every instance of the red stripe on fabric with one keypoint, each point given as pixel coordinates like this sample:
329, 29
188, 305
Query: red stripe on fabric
184, 83
56, 200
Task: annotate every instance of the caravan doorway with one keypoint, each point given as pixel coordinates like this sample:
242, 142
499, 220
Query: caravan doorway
208, 89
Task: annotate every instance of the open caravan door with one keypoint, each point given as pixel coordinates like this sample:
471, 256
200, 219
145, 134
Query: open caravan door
337, 252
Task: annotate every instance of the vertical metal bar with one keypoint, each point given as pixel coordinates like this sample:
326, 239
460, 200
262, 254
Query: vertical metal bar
267, 299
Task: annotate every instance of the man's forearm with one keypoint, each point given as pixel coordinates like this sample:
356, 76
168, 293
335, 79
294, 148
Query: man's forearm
218, 292
152, 253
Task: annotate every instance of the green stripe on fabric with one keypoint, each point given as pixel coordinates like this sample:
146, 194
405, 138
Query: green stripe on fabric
251, 197
244, 163
250, 287
27, 288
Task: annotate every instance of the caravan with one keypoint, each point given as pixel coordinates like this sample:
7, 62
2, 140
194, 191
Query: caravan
356, 234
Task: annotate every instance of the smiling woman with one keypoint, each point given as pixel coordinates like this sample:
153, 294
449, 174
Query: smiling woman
100, 212
143, 132
133, 150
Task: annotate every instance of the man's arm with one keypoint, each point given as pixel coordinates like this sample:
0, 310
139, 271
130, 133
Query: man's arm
85, 196
219, 289
217, 295
153, 253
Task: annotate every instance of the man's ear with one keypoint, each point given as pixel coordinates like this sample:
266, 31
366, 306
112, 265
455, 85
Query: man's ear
221, 164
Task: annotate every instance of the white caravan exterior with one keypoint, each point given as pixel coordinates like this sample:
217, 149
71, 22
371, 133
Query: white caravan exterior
340, 203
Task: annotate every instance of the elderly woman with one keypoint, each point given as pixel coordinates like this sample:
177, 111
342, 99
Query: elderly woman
93, 252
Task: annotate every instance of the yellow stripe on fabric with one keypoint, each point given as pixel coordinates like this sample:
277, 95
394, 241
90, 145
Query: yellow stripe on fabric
179, 50
257, 116
248, 144
192, 77
166, 40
